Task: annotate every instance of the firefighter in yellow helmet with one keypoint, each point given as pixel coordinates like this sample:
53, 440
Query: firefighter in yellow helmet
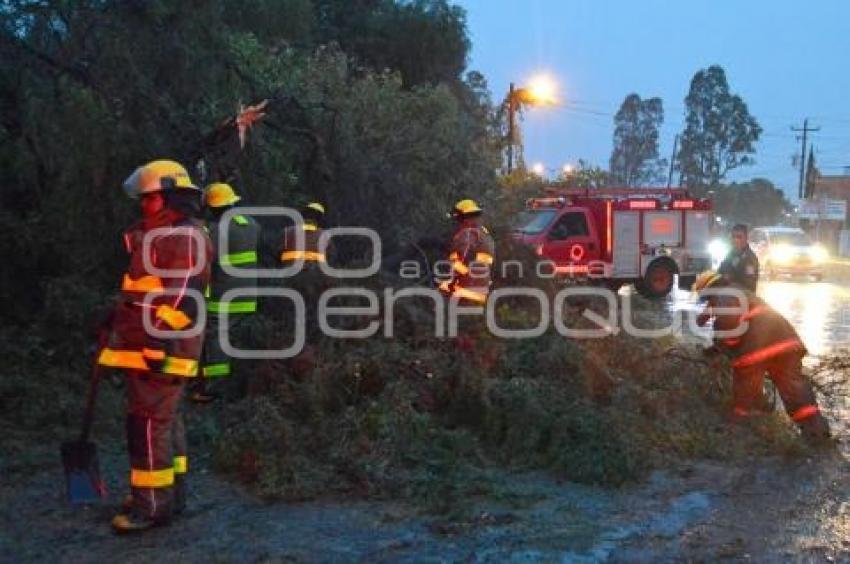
768, 345
310, 282
155, 292
242, 234
470, 256
313, 215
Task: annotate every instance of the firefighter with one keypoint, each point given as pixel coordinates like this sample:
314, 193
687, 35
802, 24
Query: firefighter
741, 266
769, 345
155, 287
470, 256
313, 215
242, 238
310, 282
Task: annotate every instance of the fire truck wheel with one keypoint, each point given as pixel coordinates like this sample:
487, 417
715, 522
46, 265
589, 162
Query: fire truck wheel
658, 280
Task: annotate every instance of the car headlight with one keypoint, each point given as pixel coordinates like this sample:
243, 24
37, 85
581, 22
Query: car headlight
718, 250
818, 253
783, 254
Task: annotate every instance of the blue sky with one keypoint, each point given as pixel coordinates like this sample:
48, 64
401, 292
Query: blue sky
787, 59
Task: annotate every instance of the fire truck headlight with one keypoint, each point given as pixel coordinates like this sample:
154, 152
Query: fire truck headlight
818, 253
718, 249
781, 254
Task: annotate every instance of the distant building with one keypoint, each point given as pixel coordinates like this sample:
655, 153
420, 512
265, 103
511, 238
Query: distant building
824, 214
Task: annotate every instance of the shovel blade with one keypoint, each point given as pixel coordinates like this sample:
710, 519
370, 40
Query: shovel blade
83, 483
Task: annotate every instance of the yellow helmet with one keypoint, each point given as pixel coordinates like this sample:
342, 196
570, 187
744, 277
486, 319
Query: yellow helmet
315, 206
466, 207
706, 279
219, 195
157, 176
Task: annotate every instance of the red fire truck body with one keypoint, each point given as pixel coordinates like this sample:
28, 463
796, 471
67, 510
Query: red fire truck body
643, 236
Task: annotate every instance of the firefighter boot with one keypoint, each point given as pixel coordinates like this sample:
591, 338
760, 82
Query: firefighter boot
133, 522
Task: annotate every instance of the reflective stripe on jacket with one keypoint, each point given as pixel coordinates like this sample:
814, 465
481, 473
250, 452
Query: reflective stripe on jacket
471, 257
290, 251
243, 234
181, 248
768, 333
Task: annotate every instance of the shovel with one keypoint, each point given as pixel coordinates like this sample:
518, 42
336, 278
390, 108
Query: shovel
83, 483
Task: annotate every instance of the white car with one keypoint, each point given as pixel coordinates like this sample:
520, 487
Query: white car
787, 251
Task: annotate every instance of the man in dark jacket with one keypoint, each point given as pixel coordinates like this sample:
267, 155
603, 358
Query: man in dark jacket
741, 266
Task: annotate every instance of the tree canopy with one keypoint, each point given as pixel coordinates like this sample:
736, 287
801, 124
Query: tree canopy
735, 202
720, 134
387, 135
634, 159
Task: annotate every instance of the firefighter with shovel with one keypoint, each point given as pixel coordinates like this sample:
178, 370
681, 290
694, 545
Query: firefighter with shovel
162, 291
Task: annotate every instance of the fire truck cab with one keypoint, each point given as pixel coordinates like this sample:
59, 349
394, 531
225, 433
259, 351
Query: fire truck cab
643, 236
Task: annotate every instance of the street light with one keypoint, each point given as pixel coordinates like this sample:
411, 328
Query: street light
568, 168
540, 92
538, 169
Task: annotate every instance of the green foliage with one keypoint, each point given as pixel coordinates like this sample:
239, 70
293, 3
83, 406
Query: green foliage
812, 174
584, 175
720, 134
733, 202
433, 422
634, 159
92, 89
425, 40
536, 423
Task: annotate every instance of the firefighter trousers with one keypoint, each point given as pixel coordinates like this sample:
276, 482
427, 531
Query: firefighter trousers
786, 372
156, 442
217, 363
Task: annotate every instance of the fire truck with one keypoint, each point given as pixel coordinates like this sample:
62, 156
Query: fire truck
644, 236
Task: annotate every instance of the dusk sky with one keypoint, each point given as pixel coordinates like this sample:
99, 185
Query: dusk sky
787, 59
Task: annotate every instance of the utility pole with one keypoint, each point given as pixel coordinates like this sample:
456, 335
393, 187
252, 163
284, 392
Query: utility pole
805, 130
672, 161
511, 127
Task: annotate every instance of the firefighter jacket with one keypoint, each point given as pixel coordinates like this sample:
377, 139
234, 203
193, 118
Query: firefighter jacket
181, 251
768, 334
741, 268
310, 252
243, 234
471, 258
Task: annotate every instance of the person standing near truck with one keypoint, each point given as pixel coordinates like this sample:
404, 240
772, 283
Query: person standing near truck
741, 265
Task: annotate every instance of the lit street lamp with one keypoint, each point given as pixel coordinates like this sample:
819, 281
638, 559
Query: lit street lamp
540, 92
538, 169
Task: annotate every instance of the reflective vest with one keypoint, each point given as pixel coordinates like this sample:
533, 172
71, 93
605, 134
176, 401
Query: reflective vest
471, 258
243, 234
768, 334
179, 249
290, 250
